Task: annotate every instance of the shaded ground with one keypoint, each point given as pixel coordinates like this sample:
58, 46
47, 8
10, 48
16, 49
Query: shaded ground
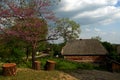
93, 75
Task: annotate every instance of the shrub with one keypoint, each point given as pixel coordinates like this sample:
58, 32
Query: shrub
62, 64
66, 65
25, 64
86, 66
16, 55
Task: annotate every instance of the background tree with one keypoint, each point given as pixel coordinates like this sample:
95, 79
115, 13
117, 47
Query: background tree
67, 29
27, 26
97, 37
109, 47
112, 53
56, 48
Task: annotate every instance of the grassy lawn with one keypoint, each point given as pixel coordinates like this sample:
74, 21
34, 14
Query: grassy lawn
25, 73
29, 74
62, 64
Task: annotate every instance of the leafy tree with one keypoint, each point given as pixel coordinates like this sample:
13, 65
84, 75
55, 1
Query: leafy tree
27, 26
112, 51
12, 50
108, 47
96, 37
68, 29
56, 48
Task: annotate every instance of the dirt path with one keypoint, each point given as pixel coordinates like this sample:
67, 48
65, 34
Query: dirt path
94, 75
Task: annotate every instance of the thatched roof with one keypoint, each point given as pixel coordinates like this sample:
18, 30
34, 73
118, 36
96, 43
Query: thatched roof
84, 47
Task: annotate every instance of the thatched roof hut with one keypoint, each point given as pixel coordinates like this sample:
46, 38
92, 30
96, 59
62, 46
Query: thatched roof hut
84, 47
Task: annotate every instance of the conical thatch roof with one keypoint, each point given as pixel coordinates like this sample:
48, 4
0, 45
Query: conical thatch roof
84, 47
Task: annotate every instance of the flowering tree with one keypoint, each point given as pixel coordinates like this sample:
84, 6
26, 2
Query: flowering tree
27, 20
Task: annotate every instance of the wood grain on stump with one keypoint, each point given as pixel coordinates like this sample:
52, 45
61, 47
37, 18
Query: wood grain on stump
9, 69
37, 65
50, 65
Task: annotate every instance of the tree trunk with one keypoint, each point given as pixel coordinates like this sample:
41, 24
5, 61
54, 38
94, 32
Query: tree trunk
33, 58
27, 53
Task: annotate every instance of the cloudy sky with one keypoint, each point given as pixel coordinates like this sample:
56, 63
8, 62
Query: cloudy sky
96, 17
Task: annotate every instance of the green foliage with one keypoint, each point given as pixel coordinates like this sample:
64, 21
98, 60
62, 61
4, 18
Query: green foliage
56, 48
97, 37
12, 51
16, 55
113, 55
86, 66
24, 64
67, 29
62, 64
108, 47
42, 46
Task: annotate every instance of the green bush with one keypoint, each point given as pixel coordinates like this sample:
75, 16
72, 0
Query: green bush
24, 64
12, 50
16, 55
86, 66
65, 64
61, 64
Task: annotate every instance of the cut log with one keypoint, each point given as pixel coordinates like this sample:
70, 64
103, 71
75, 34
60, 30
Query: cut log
50, 65
37, 65
9, 69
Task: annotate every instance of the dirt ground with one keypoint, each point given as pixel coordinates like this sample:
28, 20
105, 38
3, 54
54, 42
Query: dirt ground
94, 75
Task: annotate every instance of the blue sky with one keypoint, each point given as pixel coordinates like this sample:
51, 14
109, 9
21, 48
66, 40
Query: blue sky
96, 17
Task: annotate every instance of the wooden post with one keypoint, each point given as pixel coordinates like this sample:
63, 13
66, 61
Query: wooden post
9, 69
37, 65
50, 65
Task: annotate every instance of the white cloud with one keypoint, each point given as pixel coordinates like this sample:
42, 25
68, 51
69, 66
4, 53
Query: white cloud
88, 30
97, 30
89, 11
106, 21
113, 33
104, 13
103, 33
97, 14
68, 5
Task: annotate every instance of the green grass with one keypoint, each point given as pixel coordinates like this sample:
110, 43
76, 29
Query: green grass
25, 73
62, 64
29, 74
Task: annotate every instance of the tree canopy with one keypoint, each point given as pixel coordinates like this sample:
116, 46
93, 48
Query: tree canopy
96, 37
68, 29
30, 21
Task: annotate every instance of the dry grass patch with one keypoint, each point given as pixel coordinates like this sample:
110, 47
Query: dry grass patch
29, 74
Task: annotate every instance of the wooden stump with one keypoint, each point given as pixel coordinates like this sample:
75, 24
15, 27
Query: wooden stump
50, 65
37, 65
9, 69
